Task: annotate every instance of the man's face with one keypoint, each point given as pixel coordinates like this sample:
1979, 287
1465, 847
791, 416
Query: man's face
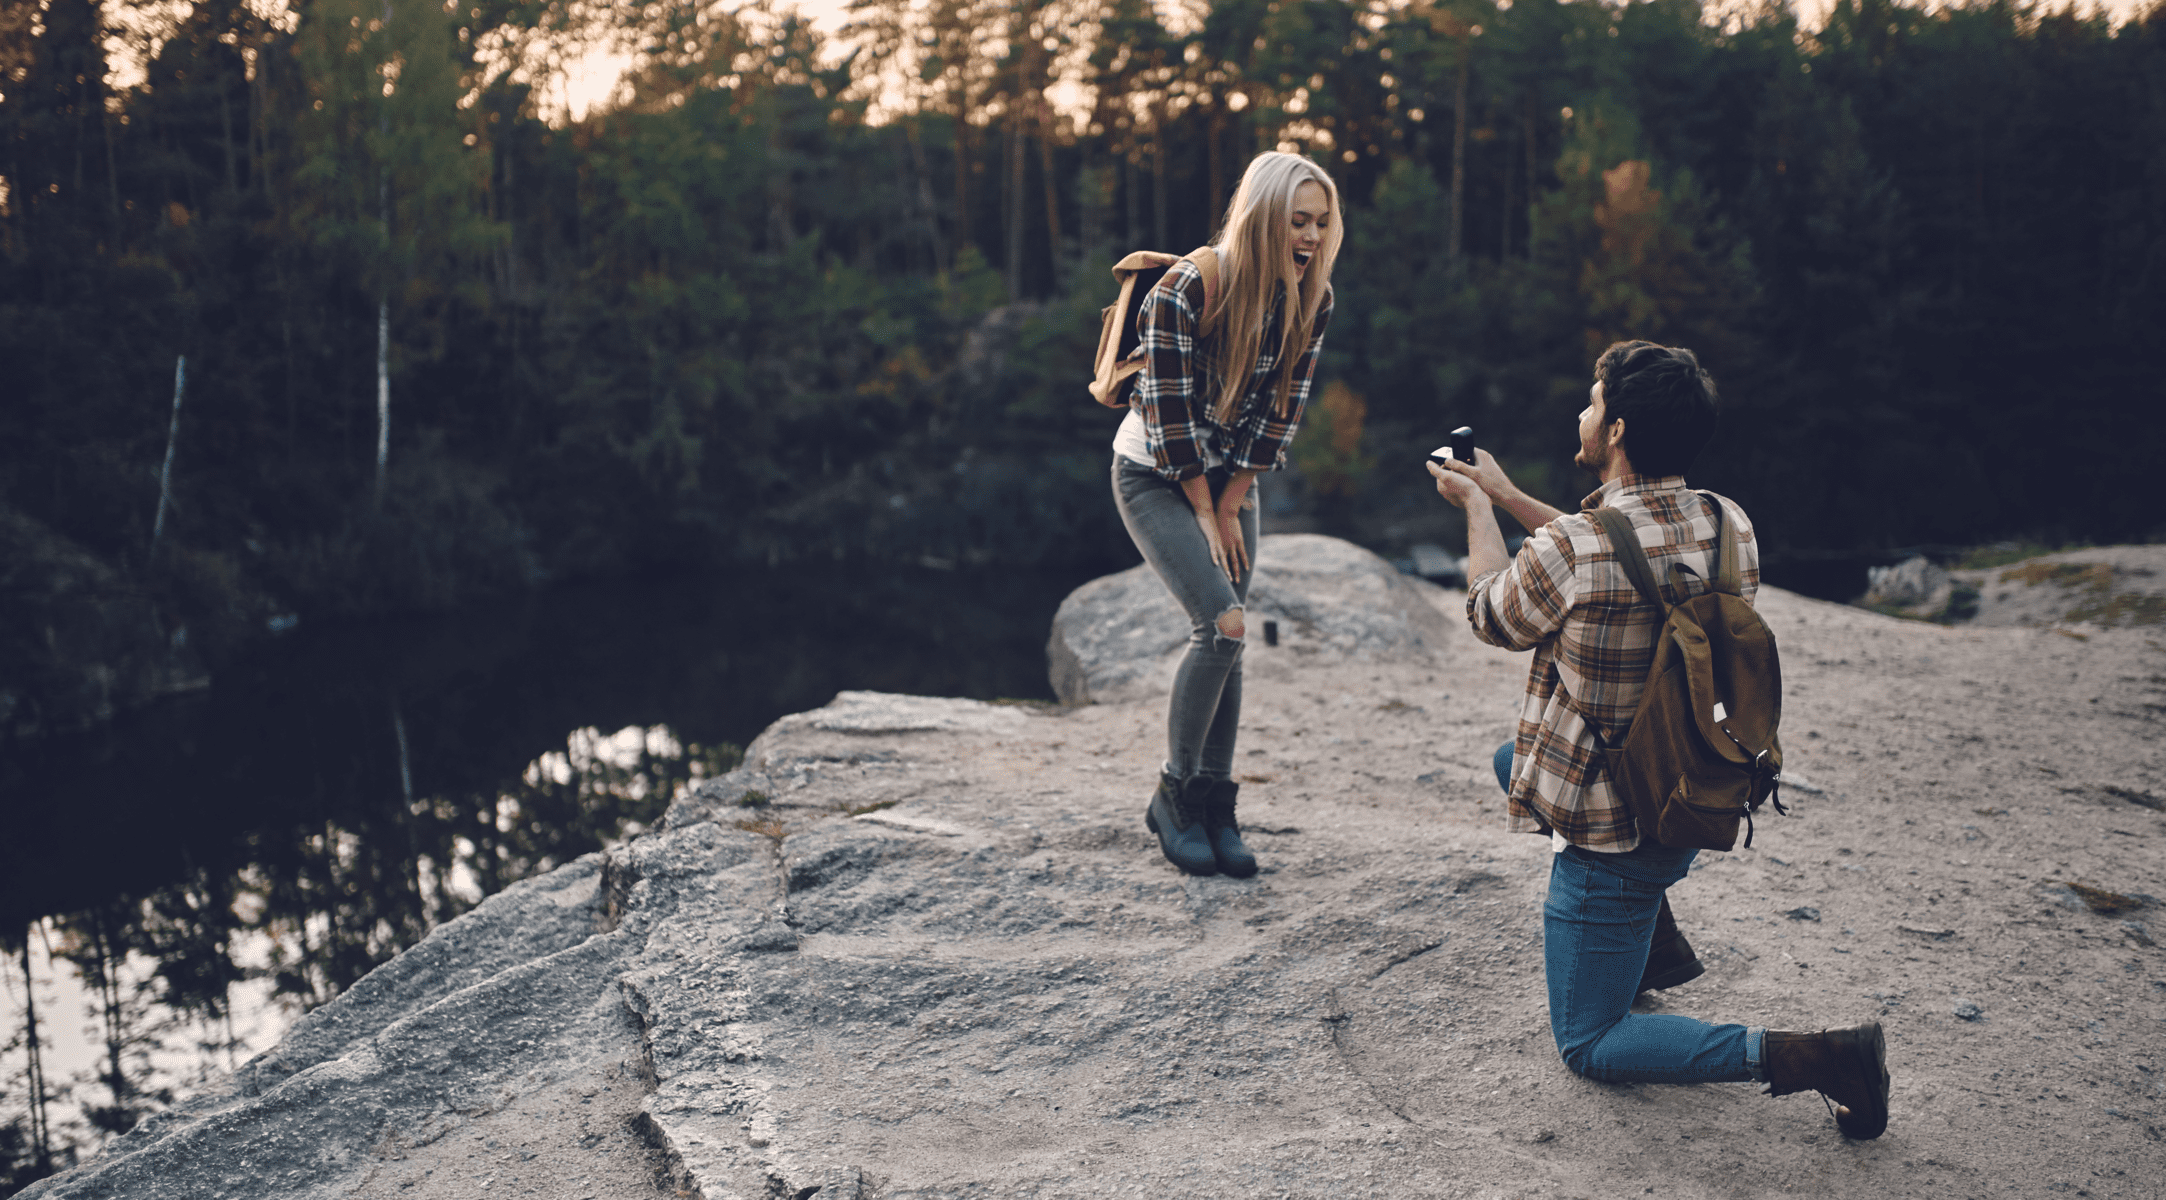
1594, 448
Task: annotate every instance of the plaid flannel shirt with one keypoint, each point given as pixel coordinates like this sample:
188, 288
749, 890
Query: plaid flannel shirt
1177, 388
1568, 599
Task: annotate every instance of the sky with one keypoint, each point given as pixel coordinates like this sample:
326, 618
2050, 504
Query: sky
591, 79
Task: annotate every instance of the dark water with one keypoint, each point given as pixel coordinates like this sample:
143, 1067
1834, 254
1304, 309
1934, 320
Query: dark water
309, 731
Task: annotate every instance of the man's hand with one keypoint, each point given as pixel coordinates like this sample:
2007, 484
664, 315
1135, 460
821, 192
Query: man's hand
1499, 488
1487, 475
1460, 486
1485, 542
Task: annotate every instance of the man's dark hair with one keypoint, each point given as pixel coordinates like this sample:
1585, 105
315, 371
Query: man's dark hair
1666, 400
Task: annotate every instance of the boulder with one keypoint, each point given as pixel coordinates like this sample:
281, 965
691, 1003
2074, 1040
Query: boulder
1915, 586
1119, 637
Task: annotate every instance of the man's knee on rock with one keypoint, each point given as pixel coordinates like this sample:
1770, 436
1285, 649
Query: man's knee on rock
1578, 1059
1230, 624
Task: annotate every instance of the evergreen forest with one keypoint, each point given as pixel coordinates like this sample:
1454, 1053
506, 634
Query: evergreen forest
795, 295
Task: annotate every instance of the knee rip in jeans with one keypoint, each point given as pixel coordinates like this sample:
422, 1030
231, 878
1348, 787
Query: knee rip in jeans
1231, 625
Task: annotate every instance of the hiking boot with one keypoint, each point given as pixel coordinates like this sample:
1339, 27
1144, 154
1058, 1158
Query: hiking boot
1232, 854
1176, 816
1670, 960
1847, 1066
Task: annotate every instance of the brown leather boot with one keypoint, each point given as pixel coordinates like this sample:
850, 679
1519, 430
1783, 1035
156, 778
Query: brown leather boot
1848, 1066
1670, 960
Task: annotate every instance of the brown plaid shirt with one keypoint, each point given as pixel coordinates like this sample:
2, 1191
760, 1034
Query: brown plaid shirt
1567, 599
1177, 388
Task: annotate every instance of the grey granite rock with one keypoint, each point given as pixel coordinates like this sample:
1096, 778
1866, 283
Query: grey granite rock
1115, 638
1916, 585
941, 956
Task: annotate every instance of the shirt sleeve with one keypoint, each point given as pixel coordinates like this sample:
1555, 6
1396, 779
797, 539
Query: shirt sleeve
1166, 386
1748, 553
1266, 449
1519, 606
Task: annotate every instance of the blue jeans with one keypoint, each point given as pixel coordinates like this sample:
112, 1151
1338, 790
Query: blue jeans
1596, 926
1204, 717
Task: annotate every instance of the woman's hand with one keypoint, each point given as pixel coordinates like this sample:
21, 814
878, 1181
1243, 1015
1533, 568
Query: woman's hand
1207, 519
1231, 501
1229, 535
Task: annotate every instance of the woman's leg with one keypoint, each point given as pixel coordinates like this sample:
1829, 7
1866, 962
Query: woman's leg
1216, 759
1596, 925
1164, 527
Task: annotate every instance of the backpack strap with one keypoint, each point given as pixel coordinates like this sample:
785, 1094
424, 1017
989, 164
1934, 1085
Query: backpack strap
1626, 545
1206, 260
1729, 578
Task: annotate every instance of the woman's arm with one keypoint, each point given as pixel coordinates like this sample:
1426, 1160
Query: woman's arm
1198, 491
1229, 521
1165, 388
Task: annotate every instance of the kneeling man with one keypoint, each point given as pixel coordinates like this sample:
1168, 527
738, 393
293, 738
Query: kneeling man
1567, 598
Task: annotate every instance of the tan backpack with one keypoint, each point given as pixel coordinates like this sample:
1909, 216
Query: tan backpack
1701, 751
1120, 334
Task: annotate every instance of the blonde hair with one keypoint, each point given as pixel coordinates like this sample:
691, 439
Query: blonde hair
1255, 251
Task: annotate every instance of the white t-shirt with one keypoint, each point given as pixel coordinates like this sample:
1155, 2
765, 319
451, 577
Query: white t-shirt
1131, 442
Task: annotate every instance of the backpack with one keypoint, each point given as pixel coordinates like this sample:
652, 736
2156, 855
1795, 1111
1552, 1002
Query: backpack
1701, 751
1120, 334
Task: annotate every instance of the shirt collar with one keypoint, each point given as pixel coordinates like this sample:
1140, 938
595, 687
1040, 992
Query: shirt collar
1610, 491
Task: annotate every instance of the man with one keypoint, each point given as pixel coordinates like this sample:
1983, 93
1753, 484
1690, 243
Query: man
1567, 598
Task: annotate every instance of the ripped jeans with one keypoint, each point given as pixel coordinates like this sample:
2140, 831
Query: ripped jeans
1205, 714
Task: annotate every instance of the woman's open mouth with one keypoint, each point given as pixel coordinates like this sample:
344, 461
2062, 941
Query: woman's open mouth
1301, 258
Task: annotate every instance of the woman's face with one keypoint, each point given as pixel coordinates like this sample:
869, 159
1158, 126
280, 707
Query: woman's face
1312, 219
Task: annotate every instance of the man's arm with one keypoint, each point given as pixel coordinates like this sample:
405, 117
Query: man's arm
1485, 541
1512, 605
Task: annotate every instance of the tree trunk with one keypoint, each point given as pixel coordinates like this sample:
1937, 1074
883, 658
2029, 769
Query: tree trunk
172, 435
928, 212
1163, 235
1014, 207
1504, 224
1526, 134
1215, 203
383, 394
962, 174
1132, 218
41, 1130
1052, 188
1459, 151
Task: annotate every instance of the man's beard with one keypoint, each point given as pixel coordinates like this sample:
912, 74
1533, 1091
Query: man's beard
1586, 461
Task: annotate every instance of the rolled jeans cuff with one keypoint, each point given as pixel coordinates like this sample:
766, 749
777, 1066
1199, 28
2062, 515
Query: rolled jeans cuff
1755, 1062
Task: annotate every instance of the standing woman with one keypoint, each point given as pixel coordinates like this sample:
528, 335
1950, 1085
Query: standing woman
1217, 401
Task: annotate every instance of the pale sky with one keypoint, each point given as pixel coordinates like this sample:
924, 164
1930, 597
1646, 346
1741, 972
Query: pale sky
591, 79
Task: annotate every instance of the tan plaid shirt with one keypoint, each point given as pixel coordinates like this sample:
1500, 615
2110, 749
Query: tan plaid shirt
1566, 598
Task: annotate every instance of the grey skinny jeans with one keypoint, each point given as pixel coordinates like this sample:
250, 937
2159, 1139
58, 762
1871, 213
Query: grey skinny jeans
1205, 715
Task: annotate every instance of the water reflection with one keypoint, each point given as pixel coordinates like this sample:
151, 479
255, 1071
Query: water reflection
191, 876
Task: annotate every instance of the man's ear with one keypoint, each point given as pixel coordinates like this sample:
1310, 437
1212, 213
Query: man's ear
1615, 434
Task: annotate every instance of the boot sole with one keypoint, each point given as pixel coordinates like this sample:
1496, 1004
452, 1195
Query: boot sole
1236, 872
1684, 972
1150, 819
1863, 1126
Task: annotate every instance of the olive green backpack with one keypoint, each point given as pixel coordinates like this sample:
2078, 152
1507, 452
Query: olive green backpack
1701, 752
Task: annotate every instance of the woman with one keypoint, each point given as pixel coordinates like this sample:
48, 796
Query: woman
1217, 402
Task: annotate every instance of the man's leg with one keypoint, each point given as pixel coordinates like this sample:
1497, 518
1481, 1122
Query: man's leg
1670, 959
1596, 926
